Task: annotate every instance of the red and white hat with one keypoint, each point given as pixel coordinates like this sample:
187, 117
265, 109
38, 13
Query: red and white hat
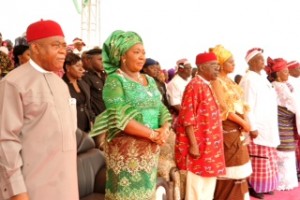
293, 65
253, 52
78, 40
181, 63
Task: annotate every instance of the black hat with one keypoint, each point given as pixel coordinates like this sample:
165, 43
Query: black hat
149, 62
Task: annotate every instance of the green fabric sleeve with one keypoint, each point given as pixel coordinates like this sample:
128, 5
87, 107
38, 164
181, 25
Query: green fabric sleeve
165, 115
117, 114
114, 120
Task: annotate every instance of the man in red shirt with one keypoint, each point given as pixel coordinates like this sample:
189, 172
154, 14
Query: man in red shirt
199, 139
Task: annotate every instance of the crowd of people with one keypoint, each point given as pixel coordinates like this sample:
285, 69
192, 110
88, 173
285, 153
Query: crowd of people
232, 138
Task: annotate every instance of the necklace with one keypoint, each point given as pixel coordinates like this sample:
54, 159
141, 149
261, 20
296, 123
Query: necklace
140, 80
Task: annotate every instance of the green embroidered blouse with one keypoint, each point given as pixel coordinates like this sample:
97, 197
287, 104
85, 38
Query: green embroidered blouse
125, 100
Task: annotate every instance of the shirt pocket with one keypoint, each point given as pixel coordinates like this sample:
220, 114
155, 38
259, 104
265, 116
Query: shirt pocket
68, 116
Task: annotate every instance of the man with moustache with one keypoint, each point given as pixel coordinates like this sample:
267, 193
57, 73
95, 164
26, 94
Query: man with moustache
38, 122
199, 139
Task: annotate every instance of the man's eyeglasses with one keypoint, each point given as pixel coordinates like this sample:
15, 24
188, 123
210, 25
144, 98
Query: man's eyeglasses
56, 45
213, 65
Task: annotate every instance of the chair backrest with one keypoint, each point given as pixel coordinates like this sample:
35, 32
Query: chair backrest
90, 162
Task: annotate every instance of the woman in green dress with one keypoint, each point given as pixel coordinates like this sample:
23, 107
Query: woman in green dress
135, 121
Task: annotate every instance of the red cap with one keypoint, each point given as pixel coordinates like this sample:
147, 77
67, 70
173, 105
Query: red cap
205, 57
43, 29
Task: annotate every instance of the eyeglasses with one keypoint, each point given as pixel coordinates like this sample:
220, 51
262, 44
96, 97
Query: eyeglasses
213, 65
56, 45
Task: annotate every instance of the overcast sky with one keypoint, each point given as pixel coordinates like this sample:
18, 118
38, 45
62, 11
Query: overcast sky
174, 29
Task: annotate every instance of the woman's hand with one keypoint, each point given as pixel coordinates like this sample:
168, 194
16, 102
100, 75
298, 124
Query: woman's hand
162, 135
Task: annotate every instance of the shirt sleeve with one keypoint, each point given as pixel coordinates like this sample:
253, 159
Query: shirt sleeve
173, 94
189, 105
11, 121
285, 97
250, 99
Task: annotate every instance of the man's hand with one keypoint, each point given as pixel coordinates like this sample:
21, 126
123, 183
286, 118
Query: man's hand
22, 196
194, 151
253, 134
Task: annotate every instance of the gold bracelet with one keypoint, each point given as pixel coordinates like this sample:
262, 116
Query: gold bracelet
152, 135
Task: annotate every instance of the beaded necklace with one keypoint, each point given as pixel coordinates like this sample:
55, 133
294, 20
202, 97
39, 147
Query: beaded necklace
139, 81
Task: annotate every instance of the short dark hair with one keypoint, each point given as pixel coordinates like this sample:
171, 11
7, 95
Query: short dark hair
237, 78
94, 51
19, 50
71, 59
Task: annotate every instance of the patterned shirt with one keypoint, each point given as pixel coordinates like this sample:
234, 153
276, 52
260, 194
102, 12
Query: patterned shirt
200, 110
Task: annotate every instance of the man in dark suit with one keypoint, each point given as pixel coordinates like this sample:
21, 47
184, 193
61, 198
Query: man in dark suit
95, 78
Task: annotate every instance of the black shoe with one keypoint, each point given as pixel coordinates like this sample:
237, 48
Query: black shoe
255, 194
269, 193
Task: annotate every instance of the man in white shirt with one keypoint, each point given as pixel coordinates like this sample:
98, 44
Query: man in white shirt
261, 97
176, 87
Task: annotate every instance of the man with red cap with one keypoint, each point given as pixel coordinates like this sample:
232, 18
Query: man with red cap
38, 123
263, 117
199, 140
